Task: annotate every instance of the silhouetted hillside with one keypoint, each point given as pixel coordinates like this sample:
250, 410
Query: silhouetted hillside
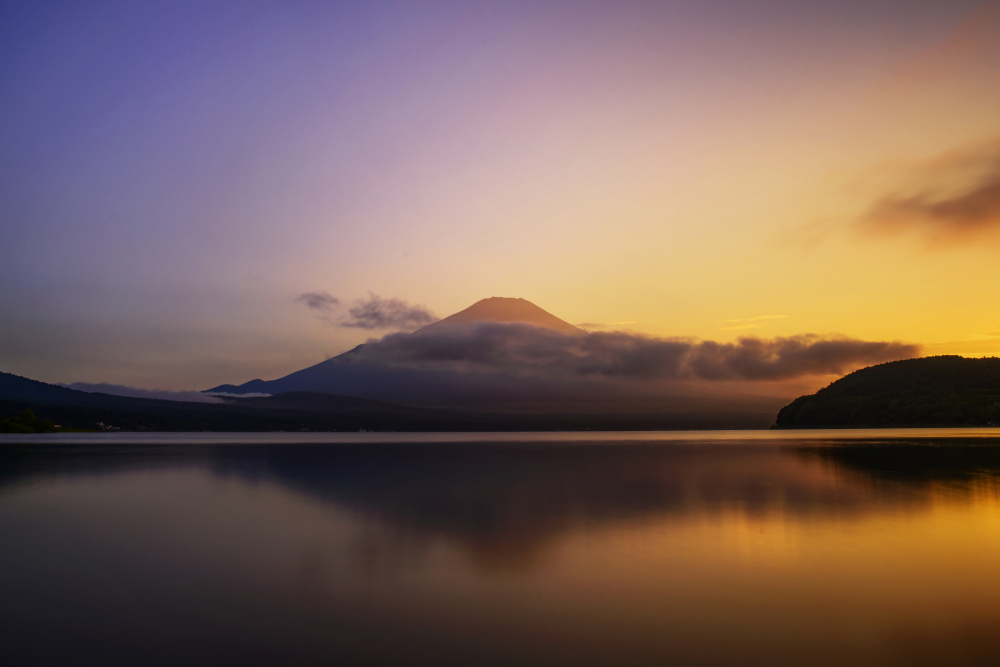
315, 411
302, 411
933, 391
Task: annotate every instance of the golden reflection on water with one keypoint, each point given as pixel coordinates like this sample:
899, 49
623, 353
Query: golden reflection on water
593, 556
912, 584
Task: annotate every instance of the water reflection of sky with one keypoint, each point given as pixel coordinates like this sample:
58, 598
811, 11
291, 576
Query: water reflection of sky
502, 553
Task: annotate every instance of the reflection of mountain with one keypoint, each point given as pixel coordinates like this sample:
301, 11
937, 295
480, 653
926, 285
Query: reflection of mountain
503, 503
915, 465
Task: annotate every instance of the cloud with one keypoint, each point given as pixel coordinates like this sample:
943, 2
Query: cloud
989, 335
739, 323
135, 392
319, 301
601, 325
974, 210
954, 197
379, 313
795, 356
526, 350
371, 313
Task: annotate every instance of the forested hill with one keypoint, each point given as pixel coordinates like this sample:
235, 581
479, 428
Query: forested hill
316, 411
933, 391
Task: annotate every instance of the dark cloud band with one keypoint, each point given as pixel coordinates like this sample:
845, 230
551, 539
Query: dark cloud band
527, 350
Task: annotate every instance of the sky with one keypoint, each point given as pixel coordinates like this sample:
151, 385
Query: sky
198, 193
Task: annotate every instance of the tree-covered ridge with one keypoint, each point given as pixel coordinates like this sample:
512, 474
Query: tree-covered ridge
26, 422
933, 391
317, 411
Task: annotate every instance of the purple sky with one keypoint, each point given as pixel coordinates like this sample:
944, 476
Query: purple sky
173, 176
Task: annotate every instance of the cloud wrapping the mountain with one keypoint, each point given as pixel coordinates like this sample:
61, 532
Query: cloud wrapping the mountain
379, 313
534, 351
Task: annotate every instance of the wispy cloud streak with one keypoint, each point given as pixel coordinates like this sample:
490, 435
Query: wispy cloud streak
378, 313
954, 198
135, 392
320, 301
739, 323
371, 313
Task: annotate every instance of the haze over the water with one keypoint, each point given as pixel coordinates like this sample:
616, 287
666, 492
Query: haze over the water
203, 193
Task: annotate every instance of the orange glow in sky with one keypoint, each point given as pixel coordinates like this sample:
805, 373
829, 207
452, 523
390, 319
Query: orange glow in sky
176, 177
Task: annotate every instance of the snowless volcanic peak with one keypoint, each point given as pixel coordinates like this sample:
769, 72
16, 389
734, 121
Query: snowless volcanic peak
503, 309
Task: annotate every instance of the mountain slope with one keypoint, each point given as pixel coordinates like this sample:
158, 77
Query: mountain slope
932, 391
508, 356
283, 412
355, 374
296, 411
507, 310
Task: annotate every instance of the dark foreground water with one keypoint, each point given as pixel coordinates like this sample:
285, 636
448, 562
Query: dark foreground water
860, 548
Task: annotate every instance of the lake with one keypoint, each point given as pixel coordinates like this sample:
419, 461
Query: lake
699, 548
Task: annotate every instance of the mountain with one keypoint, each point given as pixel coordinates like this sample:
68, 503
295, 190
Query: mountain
361, 372
503, 309
932, 391
501, 364
505, 356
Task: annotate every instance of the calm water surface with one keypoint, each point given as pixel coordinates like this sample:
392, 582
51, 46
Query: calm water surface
724, 548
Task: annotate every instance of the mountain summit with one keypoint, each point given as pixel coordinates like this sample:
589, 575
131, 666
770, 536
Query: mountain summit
506, 310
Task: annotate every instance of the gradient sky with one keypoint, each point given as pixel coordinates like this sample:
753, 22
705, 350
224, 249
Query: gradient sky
173, 176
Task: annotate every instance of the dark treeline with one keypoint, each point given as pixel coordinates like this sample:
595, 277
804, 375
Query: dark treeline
26, 422
314, 411
933, 391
